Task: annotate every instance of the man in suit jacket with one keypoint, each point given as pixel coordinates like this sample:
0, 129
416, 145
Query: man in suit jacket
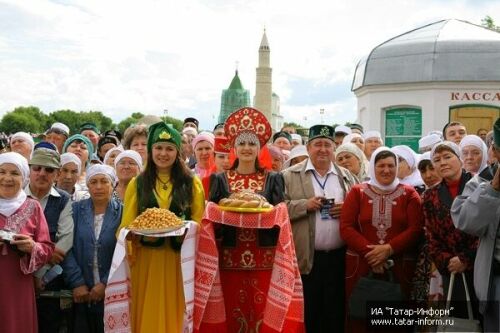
315, 224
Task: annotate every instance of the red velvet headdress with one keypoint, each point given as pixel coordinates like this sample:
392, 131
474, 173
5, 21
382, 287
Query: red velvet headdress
250, 120
222, 145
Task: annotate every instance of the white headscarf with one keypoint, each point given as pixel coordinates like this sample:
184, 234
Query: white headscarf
296, 151
474, 140
353, 149
130, 154
452, 145
348, 138
71, 158
109, 152
373, 179
9, 206
296, 137
373, 134
101, 169
411, 158
25, 137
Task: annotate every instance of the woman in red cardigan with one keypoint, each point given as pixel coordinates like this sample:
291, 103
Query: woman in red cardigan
381, 219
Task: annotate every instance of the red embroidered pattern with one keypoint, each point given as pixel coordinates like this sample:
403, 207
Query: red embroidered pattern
255, 182
382, 210
248, 255
17, 221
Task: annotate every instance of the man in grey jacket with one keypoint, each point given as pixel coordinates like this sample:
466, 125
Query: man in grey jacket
314, 192
477, 212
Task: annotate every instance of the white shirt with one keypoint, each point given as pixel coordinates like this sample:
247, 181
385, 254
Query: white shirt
327, 235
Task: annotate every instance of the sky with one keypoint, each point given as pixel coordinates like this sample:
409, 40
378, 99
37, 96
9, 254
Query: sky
149, 56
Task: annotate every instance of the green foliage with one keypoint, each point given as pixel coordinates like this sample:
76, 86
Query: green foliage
74, 119
137, 115
31, 119
125, 123
174, 121
489, 23
24, 118
292, 124
13, 122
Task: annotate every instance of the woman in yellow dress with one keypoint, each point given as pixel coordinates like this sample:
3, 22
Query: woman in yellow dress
155, 269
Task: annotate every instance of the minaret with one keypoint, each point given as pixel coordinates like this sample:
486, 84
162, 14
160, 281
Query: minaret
263, 87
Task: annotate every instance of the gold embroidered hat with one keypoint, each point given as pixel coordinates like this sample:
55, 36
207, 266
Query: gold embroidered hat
248, 120
161, 132
321, 131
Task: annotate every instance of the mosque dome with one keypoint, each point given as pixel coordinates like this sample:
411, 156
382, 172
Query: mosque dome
447, 50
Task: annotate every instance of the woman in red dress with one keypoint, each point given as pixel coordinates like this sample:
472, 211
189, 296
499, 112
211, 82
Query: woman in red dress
247, 255
381, 219
29, 251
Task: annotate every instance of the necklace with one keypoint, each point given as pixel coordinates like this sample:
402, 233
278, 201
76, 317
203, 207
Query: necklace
165, 184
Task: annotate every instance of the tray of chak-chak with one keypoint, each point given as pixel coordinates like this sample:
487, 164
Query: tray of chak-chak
156, 221
245, 202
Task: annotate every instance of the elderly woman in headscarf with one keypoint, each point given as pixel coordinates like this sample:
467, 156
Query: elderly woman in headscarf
128, 164
349, 156
380, 219
71, 168
109, 158
297, 155
474, 154
203, 146
22, 143
452, 250
408, 173
87, 264
25, 246
355, 138
82, 147
277, 156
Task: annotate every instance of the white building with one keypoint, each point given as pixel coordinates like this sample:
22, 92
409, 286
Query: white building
419, 81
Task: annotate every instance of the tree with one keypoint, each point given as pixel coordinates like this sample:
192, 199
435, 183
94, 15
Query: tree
13, 122
488, 22
127, 122
176, 123
74, 119
24, 118
292, 124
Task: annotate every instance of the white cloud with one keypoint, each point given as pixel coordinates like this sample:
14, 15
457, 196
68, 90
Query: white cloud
125, 56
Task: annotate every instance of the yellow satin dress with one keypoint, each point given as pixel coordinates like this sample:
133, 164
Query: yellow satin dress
156, 276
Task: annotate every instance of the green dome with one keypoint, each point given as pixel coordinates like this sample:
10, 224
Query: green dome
233, 98
236, 82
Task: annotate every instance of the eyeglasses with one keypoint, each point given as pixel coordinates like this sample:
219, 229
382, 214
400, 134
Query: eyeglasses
38, 168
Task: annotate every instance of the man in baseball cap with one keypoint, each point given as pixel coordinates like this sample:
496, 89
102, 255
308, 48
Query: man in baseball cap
56, 204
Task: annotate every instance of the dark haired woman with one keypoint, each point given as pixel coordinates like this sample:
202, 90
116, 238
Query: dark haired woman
156, 277
246, 254
380, 219
452, 250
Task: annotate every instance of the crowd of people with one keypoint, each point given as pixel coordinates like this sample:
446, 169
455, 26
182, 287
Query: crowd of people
345, 207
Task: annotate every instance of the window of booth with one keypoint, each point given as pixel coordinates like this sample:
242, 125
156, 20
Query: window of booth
403, 126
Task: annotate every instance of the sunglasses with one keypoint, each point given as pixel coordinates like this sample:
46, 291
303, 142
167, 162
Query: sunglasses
38, 168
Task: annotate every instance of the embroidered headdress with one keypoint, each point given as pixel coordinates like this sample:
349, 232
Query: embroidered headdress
245, 122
